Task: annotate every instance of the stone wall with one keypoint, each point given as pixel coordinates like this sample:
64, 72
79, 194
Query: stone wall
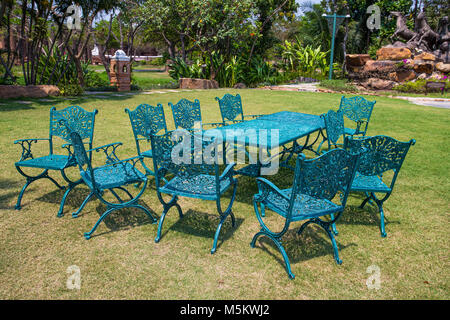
394, 65
40, 91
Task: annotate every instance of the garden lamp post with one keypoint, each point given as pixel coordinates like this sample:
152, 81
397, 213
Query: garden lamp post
333, 20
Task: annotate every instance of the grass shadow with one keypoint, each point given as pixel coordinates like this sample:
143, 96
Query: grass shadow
204, 225
124, 218
312, 243
5, 197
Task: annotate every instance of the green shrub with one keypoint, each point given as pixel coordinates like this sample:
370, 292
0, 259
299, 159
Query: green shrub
94, 79
157, 62
71, 90
418, 86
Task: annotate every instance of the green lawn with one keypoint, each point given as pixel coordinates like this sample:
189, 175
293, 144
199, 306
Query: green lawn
122, 260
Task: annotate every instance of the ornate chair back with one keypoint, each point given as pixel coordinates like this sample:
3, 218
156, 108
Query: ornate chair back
186, 113
231, 108
334, 126
358, 110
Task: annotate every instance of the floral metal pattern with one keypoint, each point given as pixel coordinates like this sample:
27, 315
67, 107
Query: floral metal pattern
231, 107
334, 124
356, 108
79, 120
383, 153
186, 113
146, 119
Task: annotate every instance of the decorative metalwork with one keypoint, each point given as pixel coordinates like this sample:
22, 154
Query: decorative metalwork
313, 195
186, 113
231, 109
193, 178
113, 175
82, 122
79, 120
334, 125
358, 110
146, 119
383, 154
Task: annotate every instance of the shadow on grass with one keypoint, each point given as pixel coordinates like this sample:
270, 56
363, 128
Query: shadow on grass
203, 224
16, 105
6, 187
312, 243
124, 218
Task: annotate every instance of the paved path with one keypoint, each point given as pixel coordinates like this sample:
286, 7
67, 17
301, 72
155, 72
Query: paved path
430, 102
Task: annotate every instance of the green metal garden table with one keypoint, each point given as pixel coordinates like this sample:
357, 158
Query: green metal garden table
290, 126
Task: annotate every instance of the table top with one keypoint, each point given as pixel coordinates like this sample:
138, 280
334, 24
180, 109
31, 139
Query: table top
289, 125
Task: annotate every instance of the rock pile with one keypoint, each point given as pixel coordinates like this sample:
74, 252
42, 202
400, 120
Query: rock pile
394, 65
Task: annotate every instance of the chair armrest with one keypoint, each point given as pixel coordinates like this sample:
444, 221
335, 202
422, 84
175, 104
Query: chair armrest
26, 147
265, 188
228, 172
108, 149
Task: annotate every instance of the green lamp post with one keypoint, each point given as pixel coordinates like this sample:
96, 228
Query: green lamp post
333, 20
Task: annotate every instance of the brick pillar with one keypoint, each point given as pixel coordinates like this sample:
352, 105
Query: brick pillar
120, 71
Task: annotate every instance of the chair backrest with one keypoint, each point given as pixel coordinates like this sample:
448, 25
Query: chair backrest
334, 126
79, 151
146, 119
356, 108
325, 177
79, 120
189, 160
186, 113
231, 107
383, 154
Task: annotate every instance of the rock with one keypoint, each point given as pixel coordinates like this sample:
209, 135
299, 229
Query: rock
423, 66
422, 76
403, 75
357, 60
189, 83
443, 67
240, 85
379, 66
379, 84
39, 91
425, 56
390, 53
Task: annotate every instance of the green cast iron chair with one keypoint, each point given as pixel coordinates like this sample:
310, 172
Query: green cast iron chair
192, 178
231, 109
115, 174
187, 113
83, 122
358, 110
320, 189
334, 128
146, 119
383, 154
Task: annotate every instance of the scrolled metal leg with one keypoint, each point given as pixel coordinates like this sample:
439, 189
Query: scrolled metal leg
76, 213
382, 227
138, 206
19, 199
280, 248
163, 216
63, 200
87, 235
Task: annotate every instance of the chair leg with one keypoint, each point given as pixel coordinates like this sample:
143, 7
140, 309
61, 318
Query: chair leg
87, 235
30, 180
333, 225
280, 248
76, 213
19, 199
219, 227
163, 216
63, 200
382, 227
138, 206
328, 229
